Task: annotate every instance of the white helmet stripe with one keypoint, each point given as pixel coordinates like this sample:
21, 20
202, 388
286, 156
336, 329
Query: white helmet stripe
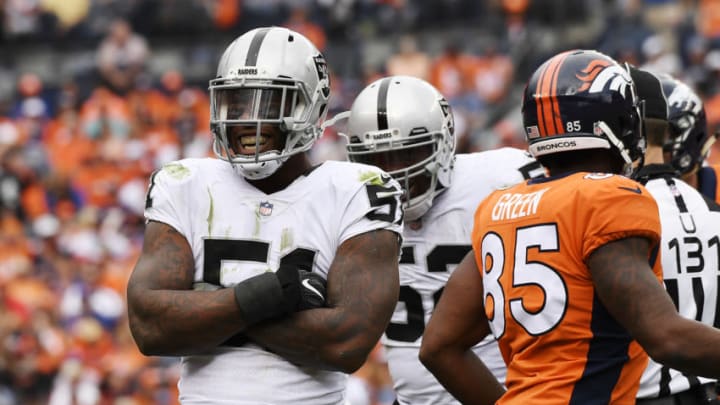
615, 141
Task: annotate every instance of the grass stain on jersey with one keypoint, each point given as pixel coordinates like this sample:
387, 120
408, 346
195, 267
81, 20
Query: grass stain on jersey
371, 178
176, 170
257, 221
286, 239
225, 272
211, 212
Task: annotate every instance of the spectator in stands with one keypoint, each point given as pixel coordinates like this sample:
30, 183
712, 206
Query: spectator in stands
708, 20
188, 109
122, 56
663, 15
103, 13
30, 87
19, 182
696, 74
65, 145
395, 16
31, 123
660, 55
623, 30
409, 60
491, 75
22, 18
300, 22
263, 12
224, 13
105, 114
69, 14
515, 16
448, 72
712, 101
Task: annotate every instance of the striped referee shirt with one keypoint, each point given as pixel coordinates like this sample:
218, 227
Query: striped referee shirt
691, 265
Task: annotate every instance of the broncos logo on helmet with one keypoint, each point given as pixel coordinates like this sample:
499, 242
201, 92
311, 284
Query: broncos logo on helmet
600, 75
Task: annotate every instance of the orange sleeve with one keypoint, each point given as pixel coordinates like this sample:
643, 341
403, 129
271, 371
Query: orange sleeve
621, 208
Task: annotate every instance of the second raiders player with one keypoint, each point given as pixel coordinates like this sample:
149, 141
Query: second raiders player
404, 126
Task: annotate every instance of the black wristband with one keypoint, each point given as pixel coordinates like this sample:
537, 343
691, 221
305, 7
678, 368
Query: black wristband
260, 298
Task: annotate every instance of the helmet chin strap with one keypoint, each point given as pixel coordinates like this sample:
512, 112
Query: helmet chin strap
618, 145
708, 144
331, 121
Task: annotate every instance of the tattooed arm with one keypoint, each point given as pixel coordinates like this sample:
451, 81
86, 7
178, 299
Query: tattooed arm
362, 290
631, 292
457, 324
166, 316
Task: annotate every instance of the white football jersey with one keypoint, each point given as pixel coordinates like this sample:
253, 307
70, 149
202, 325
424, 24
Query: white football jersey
690, 247
236, 232
430, 254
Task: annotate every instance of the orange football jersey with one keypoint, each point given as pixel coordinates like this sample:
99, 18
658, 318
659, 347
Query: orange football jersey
531, 243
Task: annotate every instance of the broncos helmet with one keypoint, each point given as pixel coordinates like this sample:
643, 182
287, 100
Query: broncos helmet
689, 141
268, 76
582, 99
405, 126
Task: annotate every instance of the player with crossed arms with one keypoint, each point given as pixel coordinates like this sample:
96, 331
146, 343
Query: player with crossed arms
272, 278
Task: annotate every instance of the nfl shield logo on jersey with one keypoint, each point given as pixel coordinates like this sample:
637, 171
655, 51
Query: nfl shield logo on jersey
265, 208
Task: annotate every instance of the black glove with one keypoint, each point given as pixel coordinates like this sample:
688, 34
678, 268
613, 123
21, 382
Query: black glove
313, 290
270, 295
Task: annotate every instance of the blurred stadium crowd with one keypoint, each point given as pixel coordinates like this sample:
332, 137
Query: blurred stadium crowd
96, 94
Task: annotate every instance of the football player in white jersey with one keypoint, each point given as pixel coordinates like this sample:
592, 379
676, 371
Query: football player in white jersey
271, 278
689, 245
405, 126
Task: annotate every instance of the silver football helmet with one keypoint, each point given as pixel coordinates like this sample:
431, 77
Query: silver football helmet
405, 126
268, 76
